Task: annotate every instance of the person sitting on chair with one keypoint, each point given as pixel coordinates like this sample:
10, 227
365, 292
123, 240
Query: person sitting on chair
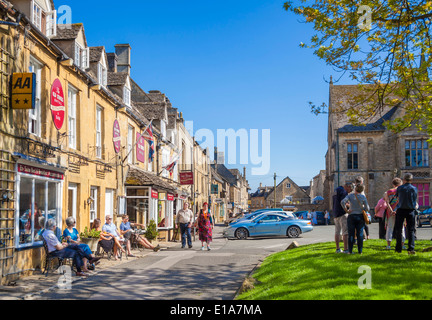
65, 250
126, 231
71, 235
111, 229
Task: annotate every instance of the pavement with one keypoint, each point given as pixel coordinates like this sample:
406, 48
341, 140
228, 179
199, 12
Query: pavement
39, 286
32, 286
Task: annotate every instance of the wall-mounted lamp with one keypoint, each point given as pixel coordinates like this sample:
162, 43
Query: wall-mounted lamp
88, 202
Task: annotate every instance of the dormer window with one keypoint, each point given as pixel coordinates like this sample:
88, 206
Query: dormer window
102, 71
37, 16
127, 96
127, 91
82, 56
44, 19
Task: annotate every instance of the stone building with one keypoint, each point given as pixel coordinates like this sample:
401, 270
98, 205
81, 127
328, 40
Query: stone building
372, 151
288, 194
258, 198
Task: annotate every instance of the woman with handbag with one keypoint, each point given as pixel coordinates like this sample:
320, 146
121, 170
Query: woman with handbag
357, 213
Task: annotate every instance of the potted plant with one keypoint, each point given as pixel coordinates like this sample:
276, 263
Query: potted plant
151, 231
91, 238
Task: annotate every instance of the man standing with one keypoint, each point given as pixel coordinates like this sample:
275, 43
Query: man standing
184, 218
407, 195
340, 216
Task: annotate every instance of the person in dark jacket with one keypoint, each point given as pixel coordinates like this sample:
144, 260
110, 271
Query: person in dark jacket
407, 195
340, 216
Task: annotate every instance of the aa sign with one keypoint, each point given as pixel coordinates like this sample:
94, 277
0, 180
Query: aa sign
23, 87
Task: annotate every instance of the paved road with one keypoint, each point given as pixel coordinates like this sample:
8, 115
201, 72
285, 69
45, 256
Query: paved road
192, 274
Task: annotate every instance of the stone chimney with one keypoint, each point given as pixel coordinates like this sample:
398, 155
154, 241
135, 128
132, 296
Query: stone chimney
244, 173
123, 52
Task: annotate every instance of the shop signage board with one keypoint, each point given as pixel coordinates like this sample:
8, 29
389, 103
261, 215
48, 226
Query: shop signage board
170, 197
154, 194
140, 148
22, 168
186, 178
57, 104
116, 136
214, 189
23, 95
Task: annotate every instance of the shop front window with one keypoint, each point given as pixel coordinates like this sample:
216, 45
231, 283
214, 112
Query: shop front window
138, 205
161, 210
38, 201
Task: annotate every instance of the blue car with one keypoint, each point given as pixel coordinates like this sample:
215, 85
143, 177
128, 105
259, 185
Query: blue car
256, 213
269, 224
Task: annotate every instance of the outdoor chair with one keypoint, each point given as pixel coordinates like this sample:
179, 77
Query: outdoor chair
49, 257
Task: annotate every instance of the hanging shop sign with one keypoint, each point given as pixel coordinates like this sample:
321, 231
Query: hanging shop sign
57, 104
186, 178
23, 95
116, 136
214, 189
170, 197
154, 194
140, 148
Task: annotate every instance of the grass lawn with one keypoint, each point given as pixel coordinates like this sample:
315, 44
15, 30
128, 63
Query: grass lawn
316, 272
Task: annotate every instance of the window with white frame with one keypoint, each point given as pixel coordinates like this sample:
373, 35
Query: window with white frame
98, 132
37, 15
130, 144
38, 199
51, 24
35, 114
102, 75
93, 203
127, 96
82, 56
72, 117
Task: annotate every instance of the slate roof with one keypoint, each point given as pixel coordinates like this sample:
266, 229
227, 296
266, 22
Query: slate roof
69, 32
117, 78
370, 127
139, 177
152, 110
223, 172
96, 53
262, 192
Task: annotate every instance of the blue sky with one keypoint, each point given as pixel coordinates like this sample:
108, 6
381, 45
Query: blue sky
225, 64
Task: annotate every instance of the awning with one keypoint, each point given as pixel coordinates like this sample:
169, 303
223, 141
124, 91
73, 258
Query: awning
139, 177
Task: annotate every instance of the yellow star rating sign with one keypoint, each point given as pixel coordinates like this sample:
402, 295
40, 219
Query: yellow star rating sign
23, 91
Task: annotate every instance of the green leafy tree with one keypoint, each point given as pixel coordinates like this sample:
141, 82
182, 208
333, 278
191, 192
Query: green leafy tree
384, 46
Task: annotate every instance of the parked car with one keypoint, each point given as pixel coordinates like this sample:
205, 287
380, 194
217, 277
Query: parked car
233, 218
301, 214
320, 218
255, 213
424, 217
268, 224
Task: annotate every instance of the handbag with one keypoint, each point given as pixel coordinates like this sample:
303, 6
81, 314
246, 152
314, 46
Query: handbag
365, 214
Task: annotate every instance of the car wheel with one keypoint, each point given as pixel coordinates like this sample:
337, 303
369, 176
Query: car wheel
241, 233
293, 232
